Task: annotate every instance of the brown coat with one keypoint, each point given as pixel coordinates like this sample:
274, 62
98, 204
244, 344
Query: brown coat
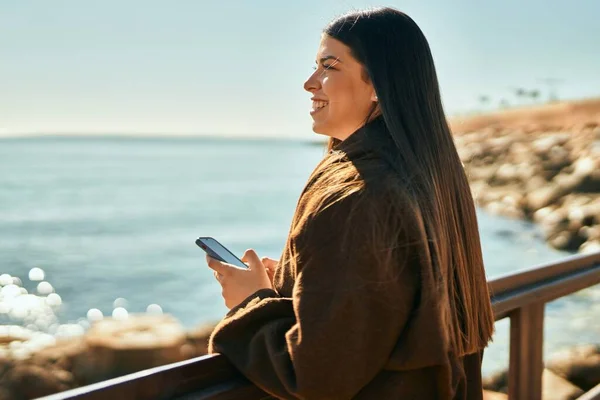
341, 321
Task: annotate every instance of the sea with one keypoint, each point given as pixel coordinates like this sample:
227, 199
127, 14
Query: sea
111, 221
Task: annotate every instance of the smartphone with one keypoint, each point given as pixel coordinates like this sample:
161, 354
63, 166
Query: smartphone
217, 251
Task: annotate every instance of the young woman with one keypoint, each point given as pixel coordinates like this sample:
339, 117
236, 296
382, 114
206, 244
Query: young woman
380, 292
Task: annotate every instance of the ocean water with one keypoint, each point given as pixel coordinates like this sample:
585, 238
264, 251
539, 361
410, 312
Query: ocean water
110, 218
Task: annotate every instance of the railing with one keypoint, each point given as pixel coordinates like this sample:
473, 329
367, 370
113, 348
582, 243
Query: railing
520, 297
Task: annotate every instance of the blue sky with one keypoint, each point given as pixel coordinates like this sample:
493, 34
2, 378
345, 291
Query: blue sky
237, 67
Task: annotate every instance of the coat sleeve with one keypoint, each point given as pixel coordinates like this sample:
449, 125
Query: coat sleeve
347, 312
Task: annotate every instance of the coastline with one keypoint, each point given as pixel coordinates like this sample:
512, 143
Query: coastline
518, 172
115, 347
551, 178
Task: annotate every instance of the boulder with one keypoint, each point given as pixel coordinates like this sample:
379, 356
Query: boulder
506, 173
545, 196
119, 347
497, 382
579, 365
6, 394
565, 240
592, 246
555, 160
543, 145
31, 381
198, 338
587, 169
540, 215
488, 395
555, 387
5, 366
62, 354
534, 183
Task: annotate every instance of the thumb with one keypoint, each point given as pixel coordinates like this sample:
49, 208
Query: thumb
251, 258
269, 263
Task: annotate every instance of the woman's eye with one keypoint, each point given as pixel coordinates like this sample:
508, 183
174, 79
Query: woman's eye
325, 67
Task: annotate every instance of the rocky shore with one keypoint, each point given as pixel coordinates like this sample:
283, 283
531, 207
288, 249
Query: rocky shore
550, 177
567, 375
539, 165
115, 347
110, 348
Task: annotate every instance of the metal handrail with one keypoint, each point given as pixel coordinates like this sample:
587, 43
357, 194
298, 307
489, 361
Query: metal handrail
521, 296
593, 394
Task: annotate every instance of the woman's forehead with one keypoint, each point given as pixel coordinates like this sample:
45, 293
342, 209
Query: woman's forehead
330, 47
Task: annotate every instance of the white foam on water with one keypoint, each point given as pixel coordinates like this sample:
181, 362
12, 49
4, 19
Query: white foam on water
94, 314
36, 274
44, 288
120, 314
154, 309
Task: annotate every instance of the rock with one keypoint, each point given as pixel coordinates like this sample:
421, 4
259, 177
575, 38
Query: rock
12, 333
5, 365
497, 382
585, 215
554, 223
506, 173
488, 395
32, 381
485, 173
540, 215
556, 159
555, 387
198, 338
579, 365
592, 246
62, 354
542, 146
119, 347
6, 394
534, 183
544, 196
587, 170
565, 240
568, 182
590, 233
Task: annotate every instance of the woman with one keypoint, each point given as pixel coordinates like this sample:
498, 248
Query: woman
380, 292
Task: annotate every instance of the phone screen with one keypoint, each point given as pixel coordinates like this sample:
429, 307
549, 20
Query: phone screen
218, 251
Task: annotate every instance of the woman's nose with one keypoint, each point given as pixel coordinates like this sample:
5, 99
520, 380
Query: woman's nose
311, 84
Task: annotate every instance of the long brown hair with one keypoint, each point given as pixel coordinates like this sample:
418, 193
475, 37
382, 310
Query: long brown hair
397, 60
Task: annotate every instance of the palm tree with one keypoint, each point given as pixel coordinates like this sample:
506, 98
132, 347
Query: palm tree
520, 93
552, 83
484, 100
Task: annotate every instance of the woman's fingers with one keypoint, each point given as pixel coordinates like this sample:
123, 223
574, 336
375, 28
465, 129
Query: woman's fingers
218, 266
239, 283
251, 258
269, 263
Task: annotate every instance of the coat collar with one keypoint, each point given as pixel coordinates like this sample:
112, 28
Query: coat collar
365, 139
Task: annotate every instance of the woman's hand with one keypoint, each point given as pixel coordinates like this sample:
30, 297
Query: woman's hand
238, 283
271, 265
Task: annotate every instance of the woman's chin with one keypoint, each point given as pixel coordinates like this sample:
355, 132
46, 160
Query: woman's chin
319, 127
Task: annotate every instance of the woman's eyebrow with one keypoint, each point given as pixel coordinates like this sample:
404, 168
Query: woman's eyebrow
323, 59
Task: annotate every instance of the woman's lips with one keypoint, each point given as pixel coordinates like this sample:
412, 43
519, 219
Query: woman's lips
317, 106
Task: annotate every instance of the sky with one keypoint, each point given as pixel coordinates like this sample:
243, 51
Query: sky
237, 68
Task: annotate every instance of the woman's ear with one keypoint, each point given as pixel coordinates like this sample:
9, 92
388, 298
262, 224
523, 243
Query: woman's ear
374, 97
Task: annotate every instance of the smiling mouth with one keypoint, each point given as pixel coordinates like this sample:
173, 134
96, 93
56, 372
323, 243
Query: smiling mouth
318, 106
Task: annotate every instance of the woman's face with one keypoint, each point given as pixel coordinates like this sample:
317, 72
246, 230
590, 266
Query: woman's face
342, 99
